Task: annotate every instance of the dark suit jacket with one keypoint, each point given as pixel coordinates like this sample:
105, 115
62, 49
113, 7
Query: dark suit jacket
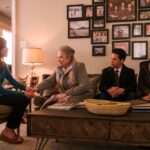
144, 78
127, 79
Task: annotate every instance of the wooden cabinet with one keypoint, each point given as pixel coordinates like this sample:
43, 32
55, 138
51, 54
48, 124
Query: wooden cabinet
69, 128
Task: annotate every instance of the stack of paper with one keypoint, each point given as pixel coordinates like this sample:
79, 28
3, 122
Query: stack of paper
141, 107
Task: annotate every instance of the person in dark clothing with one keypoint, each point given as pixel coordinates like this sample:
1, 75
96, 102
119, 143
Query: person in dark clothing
118, 82
18, 100
144, 80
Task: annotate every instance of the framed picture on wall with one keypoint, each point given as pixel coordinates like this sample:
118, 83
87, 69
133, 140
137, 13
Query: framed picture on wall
121, 31
125, 45
74, 11
78, 28
97, 1
98, 51
100, 36
99, 11
98, 23
144, 3
144, 14
139, 50
137, 29
147, 29
123, 10
89, 9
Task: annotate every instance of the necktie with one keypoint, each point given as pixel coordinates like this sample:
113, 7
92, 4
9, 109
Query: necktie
116, 83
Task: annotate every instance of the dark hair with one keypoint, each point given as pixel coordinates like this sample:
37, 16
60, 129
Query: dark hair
2, 43
120, 52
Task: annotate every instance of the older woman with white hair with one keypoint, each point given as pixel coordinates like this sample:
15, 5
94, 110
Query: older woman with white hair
70, 77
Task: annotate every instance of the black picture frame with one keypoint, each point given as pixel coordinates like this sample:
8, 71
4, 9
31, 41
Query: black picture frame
147, 29
75, 11
139, 49
97, 1
98, 23
121, 11
89, 11
120, 31
137, 29
79, 28
98, 50
144, 3
100, 36
99, 11
144, 14
125, 45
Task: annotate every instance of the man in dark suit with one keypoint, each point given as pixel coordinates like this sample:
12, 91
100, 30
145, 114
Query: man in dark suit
144, 79
118, 82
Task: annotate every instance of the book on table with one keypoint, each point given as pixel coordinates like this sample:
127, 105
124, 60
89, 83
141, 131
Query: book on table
145, 107
63, 106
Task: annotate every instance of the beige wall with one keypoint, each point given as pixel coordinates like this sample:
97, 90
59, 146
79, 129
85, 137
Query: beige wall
43, 23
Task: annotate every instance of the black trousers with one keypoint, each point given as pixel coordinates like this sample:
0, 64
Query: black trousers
19, 102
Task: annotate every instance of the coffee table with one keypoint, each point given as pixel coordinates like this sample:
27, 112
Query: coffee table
78, 124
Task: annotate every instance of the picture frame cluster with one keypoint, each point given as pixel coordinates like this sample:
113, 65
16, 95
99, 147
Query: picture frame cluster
90, 21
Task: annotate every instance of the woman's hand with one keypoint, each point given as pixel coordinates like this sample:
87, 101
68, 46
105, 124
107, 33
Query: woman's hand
31, 89
60, 96
29, 94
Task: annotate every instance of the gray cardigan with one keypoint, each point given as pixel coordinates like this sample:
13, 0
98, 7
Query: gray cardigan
82, 89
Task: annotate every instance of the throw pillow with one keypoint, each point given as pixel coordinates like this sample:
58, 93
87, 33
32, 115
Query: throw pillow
95, 84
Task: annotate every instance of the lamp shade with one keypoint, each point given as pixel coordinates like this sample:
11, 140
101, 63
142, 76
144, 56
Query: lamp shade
32, 56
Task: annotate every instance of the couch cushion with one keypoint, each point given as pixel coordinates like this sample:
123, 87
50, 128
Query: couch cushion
5, 109
95, 84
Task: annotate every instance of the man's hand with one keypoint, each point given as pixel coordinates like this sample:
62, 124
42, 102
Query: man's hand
112, 90
115, 91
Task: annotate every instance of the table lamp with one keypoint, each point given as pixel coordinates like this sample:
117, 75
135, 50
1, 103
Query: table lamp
32, 57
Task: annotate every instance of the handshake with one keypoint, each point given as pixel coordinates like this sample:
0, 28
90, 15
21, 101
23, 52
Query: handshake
31, 92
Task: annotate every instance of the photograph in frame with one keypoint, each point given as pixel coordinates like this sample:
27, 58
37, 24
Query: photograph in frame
100, 36
89, 11
74, 11
78, 28
144, 3
144, 14
98, 23
139, 49
97, 1
98, 51
125, 45
147, 29
121, 10
121, 31
137, 29
99, 11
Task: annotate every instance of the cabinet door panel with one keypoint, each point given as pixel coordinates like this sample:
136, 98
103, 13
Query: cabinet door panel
130, 132
69, 127
120, 132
